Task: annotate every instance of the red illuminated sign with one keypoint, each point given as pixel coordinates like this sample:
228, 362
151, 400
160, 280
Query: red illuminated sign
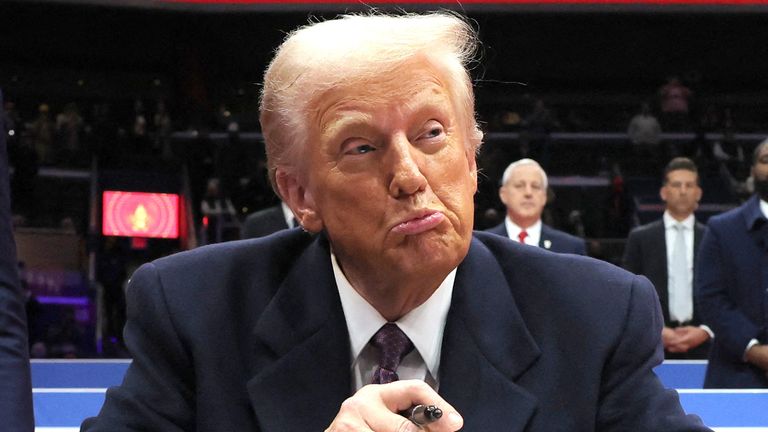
140, 214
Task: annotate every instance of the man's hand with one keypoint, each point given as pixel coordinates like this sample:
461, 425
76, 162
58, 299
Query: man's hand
668, 337
687, 338
374, 408
758, 356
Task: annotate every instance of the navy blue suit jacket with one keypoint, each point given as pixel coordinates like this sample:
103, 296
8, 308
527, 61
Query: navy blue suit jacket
646, 254
264, 222
732, 293
551, 239
15, 387
250, 335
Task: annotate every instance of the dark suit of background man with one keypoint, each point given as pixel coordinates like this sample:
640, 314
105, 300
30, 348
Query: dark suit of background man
524, 192
15, 387
267, 221
652, 251
732, 287
371, 140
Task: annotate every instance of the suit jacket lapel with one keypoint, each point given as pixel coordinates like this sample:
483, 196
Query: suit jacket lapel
486, 347
301, 349
659, 255
544, 239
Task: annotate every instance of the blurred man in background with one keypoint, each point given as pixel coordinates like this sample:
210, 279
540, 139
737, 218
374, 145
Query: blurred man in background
524, 192
732, 287
664, 251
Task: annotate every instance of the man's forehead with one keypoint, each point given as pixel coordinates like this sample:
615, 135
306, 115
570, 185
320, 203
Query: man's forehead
682, 175
355, 103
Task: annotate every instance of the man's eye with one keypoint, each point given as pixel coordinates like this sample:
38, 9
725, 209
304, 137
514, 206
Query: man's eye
361, 149
434, 132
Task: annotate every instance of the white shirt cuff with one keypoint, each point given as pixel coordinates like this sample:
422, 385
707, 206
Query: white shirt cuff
709, 331
751, 343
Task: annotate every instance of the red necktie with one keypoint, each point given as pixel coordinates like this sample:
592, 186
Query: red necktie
522, 236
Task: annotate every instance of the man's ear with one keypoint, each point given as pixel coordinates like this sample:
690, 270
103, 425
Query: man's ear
663, 193
299, 199
503, 195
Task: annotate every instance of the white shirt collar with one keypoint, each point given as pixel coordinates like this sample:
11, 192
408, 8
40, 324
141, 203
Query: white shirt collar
287, 214
534, 231
424, 325
764, 208
688, 223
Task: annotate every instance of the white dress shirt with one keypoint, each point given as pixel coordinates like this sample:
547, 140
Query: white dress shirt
534, 231
680, 303
424, 326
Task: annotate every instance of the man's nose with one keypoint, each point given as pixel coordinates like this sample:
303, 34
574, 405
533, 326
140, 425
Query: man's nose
406, 162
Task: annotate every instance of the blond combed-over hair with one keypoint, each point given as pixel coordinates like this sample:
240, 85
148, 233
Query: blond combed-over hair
358, 50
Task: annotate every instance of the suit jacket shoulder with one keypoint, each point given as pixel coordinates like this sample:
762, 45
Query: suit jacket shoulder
500, 229
561, 242
579, 307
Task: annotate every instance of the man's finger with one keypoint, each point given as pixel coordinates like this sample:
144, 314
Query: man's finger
402, 395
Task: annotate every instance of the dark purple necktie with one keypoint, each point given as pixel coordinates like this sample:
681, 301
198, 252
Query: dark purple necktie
393, 345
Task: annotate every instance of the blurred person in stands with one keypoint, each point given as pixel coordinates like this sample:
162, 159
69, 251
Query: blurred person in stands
24, 160
15, 382
69, 126
537, 127
664, 251
731, 278
111, 272
161, 131
524, 192
41, 130
674, 102
644, 131
139, 129
218, 213
371, 140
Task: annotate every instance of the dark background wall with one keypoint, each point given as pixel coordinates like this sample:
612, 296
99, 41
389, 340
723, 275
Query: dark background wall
200, 58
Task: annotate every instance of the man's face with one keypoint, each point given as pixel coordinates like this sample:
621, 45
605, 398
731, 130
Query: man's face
389, 175
524, 195
681, 193
760, 173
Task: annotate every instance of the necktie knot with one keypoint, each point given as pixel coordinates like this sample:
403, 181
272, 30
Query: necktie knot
392, 345
522, 236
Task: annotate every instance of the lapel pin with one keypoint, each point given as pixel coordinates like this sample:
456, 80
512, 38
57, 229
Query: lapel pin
547, 244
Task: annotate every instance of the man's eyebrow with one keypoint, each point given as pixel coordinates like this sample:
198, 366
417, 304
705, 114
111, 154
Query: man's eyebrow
342, 121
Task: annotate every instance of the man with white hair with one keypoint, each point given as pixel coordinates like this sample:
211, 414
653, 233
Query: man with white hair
524, 191
371, 140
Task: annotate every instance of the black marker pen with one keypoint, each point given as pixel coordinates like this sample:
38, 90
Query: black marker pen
422, 415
